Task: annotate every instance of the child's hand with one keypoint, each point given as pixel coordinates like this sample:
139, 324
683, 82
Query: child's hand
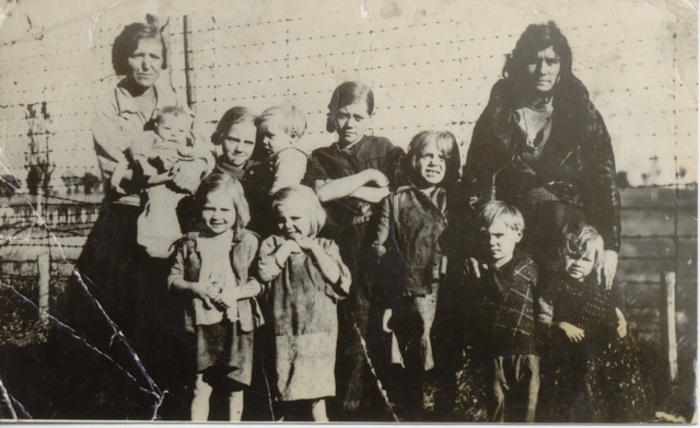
379, 250
386, 319
187, 175
374, 194
574, 333
376, 176
186, 152
292, 246
147, 169
304, 242
474, 269
227, 298
207, 292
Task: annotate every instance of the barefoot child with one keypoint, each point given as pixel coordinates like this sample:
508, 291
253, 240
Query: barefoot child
412, 221
305, 278
595, 371
213, 265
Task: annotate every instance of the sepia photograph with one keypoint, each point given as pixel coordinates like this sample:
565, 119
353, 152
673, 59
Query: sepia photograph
367, 211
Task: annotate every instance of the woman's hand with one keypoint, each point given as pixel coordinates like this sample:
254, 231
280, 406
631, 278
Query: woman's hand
574, 333
609, 267
621, 324
386, 319
187, 175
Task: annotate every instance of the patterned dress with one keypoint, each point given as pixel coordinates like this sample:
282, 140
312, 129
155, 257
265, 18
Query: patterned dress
597, 379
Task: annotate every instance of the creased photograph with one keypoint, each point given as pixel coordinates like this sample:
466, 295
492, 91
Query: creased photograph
376, 211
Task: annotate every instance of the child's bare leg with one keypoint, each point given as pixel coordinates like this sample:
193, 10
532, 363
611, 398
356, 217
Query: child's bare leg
200, 402
318, 410
235, 405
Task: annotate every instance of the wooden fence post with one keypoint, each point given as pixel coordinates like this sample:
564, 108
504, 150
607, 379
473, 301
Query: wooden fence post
669, 332
189, 66
44, 264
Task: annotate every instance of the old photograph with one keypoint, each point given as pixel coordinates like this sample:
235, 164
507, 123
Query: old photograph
376, 211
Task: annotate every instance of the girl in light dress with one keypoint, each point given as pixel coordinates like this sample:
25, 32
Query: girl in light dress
213, 267
304, 278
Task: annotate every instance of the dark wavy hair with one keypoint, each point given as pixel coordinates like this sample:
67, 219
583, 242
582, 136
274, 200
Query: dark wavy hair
571, 98
126, 43
345, 94
536, 38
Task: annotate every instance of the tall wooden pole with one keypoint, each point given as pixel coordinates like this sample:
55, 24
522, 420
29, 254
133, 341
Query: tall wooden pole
669, 333
189, 65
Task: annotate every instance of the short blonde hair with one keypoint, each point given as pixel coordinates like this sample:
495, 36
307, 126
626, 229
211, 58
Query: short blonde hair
499, 210
233, 188
292, 119
305, 197
578, 239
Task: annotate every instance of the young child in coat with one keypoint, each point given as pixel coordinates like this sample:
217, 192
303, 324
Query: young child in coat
503, 314
304, 277
412, 221
214, 266
595, 370
281, 162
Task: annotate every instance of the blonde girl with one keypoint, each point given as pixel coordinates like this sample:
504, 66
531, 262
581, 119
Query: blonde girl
212, 266
304, 278
594, 373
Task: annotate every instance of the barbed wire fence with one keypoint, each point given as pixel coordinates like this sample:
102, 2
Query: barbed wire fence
429, 68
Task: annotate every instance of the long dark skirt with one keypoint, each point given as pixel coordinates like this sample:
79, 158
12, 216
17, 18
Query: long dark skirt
131, 288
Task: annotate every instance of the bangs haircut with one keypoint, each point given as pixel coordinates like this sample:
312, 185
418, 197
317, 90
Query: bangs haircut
305, 197
499, 210
447, 145
233, 188
346, 94
233, 116
579, 239
291, 119
128, 40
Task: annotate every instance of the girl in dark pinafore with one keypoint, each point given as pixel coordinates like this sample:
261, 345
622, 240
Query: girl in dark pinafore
351, 177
